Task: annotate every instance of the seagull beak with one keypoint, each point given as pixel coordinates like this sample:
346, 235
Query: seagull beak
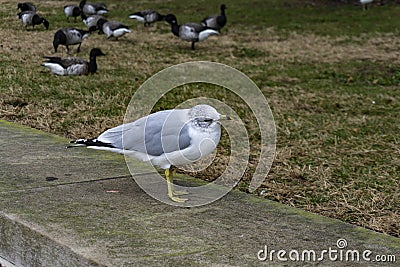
225, 117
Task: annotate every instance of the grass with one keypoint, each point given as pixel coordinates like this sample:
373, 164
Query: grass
330, 72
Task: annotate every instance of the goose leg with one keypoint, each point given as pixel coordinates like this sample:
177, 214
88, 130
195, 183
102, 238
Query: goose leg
192, 45
79, 48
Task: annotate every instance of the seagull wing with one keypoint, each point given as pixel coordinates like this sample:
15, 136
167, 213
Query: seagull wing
156, 134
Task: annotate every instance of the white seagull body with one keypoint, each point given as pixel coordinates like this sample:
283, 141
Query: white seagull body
165, 138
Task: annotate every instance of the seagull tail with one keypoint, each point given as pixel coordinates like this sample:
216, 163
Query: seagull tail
90, 143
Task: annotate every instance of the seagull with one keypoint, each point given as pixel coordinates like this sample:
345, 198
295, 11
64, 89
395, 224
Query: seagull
147, 16
190, 32
216, 21
73, 65
166, 138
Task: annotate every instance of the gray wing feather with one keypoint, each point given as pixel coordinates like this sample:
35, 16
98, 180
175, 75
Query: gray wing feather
92, 20
78, 69
66, 62
158, 133
196, 27
211, 21
73, 36
70, 61
114, 25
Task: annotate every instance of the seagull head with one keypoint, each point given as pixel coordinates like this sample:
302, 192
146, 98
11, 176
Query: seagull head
206, 116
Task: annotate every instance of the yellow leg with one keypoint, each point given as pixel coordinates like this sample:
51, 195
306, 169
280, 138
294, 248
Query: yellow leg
170, 184
180, 193
174, 192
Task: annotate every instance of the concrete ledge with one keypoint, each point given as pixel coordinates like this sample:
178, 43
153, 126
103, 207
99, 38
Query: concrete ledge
24, 245
98, 216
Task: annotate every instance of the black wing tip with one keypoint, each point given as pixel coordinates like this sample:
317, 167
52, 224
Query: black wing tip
77, 143
89, 142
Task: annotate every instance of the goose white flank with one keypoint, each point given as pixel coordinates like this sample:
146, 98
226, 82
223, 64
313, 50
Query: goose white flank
73, 65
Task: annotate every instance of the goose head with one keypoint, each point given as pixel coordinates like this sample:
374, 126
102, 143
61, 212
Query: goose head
36, 20
171, 19
59, 38
82, 4
223, 7
95, 52
100, 24
45, 23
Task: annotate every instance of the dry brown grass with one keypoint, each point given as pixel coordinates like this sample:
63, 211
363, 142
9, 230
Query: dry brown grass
314, 48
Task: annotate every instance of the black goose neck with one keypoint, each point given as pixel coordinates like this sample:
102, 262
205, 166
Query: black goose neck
222, 11
82, 4
36, 20
223, 7
92, 64
175, 28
